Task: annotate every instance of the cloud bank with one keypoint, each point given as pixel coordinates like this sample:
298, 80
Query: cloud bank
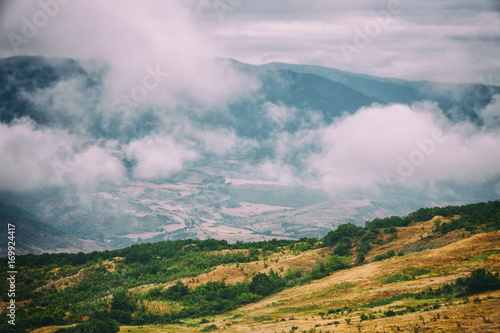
403, 145
33, 158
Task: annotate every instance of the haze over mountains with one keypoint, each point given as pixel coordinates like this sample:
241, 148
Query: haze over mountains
252, 153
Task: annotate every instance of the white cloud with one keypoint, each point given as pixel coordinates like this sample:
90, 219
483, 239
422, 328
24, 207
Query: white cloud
158, 156
219, 142
279, 113
490, 115
448, 40
413, 144
134, 36
33, 158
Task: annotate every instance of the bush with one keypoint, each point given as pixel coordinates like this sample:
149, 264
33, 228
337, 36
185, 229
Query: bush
343, 231
343, 248
209, 328
328, 266
389, 313
389, 254
246, 298
93, 326
360, 258
479, 281
261, 285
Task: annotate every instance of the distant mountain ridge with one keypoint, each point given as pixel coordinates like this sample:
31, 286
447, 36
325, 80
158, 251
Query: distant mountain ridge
392, 90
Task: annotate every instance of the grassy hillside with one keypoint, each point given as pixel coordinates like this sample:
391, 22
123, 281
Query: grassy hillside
433, 270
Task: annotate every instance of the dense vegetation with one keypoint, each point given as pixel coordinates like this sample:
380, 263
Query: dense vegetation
479, 281
87, 279
480, 217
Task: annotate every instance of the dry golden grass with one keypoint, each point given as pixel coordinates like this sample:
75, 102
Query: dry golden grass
64, 282
444, 258
68, 281
160, 307
233, 273
301, 306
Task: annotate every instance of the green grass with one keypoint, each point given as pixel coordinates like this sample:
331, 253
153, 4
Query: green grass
387, 301
406, 274
483, 256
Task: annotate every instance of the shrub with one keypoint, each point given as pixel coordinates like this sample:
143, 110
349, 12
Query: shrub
261, 285
360, 258
343, 248
95, 325
343, 231
209, 328
389, 254
246, 298
389, 313
479, 281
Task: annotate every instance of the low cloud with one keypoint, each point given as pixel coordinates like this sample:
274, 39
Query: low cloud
34, 157
145, 37
158, 156
490, 115
404, 145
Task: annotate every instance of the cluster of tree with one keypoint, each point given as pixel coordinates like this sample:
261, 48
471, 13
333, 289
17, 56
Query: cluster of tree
341, 237
475, 217
161, 262
483, 216
104, 325
218, 297
145, 251
347, 235
480, 280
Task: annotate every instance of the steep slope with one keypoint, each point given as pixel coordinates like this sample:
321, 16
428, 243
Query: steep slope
33, 236
416, 276
374, 289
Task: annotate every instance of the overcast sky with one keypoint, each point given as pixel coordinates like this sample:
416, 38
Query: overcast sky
441, 40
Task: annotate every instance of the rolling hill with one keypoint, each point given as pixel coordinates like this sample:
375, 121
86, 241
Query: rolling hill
435, 269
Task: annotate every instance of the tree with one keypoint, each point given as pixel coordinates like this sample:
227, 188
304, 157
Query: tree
122, 302
177, 291
261, 285
479, 281
343, 248
343, 231
360, 258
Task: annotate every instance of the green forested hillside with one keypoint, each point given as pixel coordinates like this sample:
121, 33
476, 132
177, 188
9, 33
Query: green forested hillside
173, 281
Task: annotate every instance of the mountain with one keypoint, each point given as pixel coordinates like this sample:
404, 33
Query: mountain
259, 187
390, 90
432, 270
33, 236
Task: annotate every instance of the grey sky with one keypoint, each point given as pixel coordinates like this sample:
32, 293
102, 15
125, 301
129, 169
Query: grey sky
426, 40
442, 40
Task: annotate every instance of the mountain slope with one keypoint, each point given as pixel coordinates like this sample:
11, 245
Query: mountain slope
463, 99
416, 276
33, 236
274, 132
